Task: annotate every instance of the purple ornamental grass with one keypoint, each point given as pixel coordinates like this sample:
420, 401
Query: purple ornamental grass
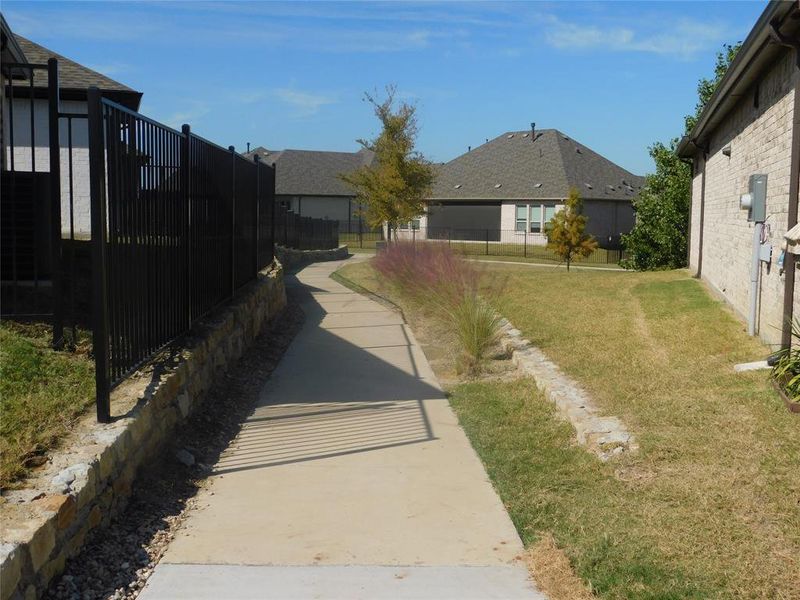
435, 278
426, 272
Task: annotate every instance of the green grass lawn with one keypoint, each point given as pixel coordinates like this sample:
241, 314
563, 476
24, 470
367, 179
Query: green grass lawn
42, 392
710, 505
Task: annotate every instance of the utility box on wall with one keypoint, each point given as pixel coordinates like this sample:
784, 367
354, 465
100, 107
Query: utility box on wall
757, 190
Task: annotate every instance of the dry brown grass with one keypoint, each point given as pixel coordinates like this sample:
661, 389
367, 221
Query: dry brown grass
710, 506
553, 573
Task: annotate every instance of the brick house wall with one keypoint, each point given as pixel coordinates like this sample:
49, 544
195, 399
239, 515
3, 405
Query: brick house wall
760, 141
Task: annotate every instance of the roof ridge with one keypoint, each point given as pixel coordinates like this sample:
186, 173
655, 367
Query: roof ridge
560, 136
317, 151
597, 154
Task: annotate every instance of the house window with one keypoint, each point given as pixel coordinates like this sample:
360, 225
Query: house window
534, 218
549, 213
522, 217
413, 224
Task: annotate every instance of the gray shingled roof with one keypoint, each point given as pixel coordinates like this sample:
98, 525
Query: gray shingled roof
72, 75
513, 166
312, 172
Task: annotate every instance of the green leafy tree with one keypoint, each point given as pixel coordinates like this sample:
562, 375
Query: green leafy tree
566, 231
659, 240
660, 237
707, 87
394, 187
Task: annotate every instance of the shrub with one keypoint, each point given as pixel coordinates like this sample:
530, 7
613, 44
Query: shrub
787, 370
434, 278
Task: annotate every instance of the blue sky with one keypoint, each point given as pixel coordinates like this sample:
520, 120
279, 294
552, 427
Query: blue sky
616, 76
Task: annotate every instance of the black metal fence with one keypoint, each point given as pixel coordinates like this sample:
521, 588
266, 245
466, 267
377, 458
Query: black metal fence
486, 242
304, 233
179, 224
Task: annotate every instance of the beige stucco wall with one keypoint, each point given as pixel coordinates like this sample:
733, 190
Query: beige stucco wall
27, 155
760, 142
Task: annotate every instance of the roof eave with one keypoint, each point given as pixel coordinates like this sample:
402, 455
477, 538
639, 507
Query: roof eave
740, 75
12, 51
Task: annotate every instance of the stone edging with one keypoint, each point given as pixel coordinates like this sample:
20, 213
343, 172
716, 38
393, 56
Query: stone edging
605, 436
87, 485
291, 258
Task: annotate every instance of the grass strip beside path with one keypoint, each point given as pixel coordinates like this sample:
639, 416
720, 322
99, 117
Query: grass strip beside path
710, 505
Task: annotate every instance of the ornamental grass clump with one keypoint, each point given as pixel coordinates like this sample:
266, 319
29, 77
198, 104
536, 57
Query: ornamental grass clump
435, 279
787, 370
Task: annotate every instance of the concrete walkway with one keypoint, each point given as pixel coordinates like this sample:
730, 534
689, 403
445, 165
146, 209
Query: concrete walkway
350, 479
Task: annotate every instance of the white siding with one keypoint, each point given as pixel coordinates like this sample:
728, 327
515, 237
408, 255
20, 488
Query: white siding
27, 155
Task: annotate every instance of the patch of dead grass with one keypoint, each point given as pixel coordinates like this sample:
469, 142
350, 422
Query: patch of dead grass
553, 573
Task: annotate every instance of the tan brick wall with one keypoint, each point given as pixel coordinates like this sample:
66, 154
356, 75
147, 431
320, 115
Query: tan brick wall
760, 141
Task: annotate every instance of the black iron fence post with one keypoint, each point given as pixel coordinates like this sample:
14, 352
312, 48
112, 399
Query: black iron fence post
232, 150
55, 201
97, 193
272, 199
487, 242
186, 179
257, 237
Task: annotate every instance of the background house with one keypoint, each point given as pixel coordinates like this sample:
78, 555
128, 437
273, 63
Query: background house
29, 154
750, 127
516, 182
307, 183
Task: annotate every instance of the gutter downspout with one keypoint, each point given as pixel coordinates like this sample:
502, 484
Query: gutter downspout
794, 189
704, 151
689, 162
755, 276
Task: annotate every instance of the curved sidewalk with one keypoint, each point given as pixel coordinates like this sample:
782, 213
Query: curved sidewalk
350, 479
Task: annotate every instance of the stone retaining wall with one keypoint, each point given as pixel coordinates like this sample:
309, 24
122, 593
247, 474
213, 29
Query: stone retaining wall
291, 258
603, 435
86, 486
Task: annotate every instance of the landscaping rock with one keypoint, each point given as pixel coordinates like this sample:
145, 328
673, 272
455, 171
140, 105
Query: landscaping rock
185, 457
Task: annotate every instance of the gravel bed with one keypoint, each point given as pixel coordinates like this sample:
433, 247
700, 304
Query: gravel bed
117, 560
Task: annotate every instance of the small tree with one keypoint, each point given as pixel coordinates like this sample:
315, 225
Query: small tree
566, 236
394, 187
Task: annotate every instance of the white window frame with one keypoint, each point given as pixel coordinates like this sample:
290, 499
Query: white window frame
530, 209
523, 221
